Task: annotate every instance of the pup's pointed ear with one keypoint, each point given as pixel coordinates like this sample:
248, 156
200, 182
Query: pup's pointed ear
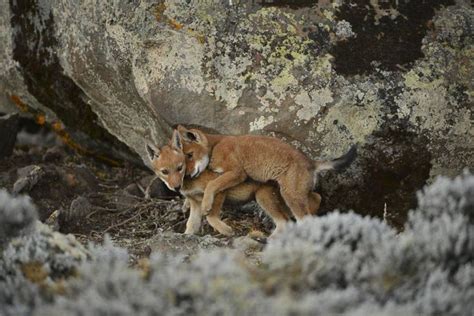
182, 132
192, 135
176, 141
181, 128
152, 151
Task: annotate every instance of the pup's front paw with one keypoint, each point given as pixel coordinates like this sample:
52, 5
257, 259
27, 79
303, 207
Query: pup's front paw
193, 225
206, 204
186, 207
192, 228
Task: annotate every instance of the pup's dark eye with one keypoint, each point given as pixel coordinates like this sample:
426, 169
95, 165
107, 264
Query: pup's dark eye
189, 156
180, 168
164, 171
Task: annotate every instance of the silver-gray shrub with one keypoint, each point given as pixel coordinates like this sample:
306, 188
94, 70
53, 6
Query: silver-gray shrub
214, 283
211, 284
447, 294
419, 267
341, 263
31, 251
442, 227
336, 250
105, 285
17, 214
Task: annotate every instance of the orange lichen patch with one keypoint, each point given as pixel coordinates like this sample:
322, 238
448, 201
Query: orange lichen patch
20, 104
34, 271
201, 38
67, 139
40, 119
160, 16
159, 10
175, 24
59, 129
58, 287
144, 266
57, 126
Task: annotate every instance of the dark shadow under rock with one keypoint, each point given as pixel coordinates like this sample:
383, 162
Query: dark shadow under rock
151, 186
8, 131
389, 170
387, 34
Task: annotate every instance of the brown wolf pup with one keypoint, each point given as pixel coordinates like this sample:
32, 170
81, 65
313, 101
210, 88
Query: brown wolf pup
261, 158
170, 165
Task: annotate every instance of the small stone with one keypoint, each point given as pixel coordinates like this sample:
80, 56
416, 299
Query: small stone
52, 220
79, 208
28, 177
247, 244
75, 216
53, 154
124, 200
133, 189
86, 179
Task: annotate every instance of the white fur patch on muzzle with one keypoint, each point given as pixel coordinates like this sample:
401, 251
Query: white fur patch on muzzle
200, 166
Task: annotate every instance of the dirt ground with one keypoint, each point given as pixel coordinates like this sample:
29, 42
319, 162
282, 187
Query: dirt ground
85, 197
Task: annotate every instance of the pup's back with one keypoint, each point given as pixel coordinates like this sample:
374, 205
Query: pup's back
262, 158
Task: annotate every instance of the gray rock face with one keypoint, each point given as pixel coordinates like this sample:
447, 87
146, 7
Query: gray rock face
397, 80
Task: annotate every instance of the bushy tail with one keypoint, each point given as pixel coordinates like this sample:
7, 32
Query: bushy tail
338, 164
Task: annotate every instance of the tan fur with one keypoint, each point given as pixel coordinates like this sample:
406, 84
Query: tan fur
260, 158
266, 195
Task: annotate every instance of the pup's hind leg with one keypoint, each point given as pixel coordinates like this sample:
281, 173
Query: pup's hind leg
270, 200
295, 187
314, 202
213, 218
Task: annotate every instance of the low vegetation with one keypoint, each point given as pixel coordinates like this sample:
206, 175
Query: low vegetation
340, 263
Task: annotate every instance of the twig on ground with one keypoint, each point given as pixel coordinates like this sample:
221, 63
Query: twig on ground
123, 222
177, 224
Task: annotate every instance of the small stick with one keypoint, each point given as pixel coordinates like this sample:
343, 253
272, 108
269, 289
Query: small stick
123, 222
385, 213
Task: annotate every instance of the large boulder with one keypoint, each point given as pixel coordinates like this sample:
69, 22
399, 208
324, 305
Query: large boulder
397, 80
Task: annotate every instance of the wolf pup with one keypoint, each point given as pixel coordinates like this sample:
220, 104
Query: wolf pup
262, 159
171, 165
